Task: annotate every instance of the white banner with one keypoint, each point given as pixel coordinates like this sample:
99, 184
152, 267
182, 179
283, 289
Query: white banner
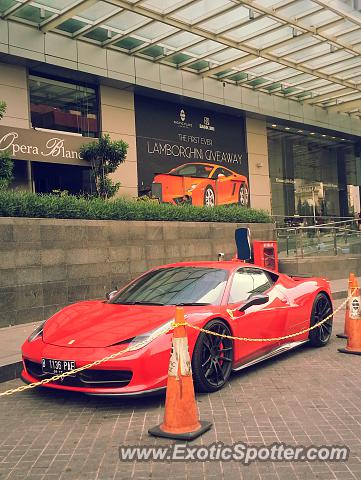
355, 304
180, 359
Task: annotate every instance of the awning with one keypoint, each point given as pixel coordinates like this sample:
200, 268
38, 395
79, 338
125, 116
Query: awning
305, 50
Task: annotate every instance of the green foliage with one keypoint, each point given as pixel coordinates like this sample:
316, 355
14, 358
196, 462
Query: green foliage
2, 109
6, 170
104, 156
27, 204
147, 198
6, 163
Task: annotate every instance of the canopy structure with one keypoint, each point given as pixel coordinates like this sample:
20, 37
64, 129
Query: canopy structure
305, 50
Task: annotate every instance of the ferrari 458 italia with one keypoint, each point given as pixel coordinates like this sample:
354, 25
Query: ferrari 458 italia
201, 184
231, 298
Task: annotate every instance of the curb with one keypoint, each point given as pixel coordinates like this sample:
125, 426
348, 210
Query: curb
339, 295
10, 371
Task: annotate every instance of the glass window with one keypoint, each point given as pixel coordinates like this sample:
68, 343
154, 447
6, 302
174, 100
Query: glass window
193, 170
172, 286
246, 282
222, 171
311, 173
261, 282
21, 179
58, 178
64, 106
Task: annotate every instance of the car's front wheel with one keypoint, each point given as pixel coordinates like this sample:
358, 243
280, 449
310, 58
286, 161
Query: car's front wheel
212, 358
322, 308
209, 197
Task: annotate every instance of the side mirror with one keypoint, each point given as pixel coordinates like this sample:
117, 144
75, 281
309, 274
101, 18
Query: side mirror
255, 300
220, 175
110, 295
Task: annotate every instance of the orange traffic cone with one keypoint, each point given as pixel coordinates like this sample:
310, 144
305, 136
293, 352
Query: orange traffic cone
354, 323
351, 279
181, 419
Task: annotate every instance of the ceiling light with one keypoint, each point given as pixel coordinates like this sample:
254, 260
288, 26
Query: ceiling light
294, 32
332, 48
324, 135
312, 133
42, 13
251, 14
299, 131
274, 125
287, 128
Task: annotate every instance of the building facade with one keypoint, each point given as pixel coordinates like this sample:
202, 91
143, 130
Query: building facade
185, 132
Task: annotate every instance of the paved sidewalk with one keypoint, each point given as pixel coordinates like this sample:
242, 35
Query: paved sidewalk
310, 396
11, 338
339, 288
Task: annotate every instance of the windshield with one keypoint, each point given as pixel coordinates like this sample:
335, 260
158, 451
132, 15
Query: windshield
193, 170
176, 286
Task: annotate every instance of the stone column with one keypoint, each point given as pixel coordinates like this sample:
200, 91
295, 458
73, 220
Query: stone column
258, 163
14, 91
118, 119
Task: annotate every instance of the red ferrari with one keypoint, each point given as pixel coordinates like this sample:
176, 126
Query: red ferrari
231, 298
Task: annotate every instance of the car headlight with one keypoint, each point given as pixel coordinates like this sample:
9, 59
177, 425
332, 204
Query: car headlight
145, 338
38, 332
192, 187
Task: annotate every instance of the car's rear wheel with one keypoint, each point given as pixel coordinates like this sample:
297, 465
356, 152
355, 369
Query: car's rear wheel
212, 358
209, 197
322, 308
243, 195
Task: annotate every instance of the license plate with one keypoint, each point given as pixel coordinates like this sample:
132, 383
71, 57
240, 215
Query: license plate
57, 366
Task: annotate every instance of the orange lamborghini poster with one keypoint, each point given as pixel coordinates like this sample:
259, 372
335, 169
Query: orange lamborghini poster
190, 155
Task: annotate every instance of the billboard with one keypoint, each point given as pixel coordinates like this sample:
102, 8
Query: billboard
190, 155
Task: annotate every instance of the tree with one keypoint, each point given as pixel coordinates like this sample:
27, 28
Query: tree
6, 163
104, 156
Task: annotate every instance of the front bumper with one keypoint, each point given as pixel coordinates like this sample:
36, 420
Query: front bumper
26, 378
183, 200
168, 197
139, 372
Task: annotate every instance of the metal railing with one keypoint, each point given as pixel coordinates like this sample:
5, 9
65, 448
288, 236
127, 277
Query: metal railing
333, 238
307, 220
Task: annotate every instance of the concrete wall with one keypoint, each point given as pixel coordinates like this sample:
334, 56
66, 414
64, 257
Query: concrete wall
14, 91
46, 264
332, 268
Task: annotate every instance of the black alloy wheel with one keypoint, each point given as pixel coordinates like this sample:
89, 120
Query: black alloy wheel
322, 308
212, 358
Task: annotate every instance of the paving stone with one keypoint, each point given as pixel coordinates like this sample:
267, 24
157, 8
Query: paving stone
308, 397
